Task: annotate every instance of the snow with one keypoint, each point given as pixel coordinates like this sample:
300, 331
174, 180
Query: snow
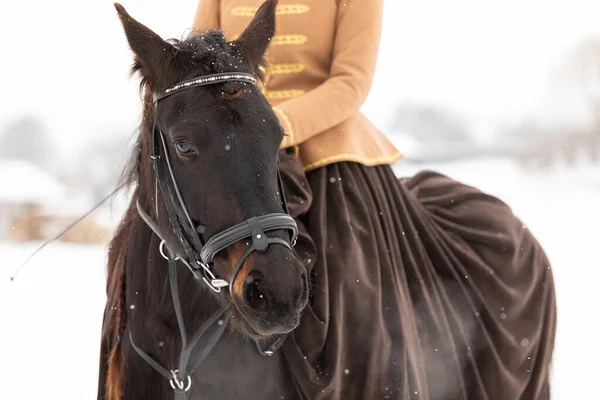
52, 313
51, 320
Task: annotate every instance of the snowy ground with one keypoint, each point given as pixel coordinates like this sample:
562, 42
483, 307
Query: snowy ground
51, 315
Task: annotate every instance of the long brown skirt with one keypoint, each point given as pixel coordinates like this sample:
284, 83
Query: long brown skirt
422, 288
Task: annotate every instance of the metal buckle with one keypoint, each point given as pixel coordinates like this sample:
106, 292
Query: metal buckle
272, 348
214, 283
161, 248
180, 384
213, 288
220, 283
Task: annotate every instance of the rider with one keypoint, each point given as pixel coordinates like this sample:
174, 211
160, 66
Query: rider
378, 315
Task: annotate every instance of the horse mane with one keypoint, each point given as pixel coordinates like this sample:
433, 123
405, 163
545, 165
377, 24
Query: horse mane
115, 315
208, 53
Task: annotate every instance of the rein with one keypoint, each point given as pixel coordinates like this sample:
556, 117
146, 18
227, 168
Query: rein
199, 256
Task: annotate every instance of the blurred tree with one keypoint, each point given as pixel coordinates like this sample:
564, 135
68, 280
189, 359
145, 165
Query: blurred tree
429, 133
570, 130
26, 137
429, 123
98, 166
580, 72
94, 169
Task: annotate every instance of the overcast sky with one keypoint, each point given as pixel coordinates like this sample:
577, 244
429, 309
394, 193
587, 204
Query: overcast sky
67, 61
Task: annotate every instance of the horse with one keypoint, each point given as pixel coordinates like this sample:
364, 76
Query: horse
206, 285
205, 167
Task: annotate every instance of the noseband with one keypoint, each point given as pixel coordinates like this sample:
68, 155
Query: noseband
199, 256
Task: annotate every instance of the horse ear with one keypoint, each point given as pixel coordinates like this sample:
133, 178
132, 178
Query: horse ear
153, 56
256, 37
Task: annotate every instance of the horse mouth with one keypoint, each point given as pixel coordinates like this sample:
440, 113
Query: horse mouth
262, 329
276, 318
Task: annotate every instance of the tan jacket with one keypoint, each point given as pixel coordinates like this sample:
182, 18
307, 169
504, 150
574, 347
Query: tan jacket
322, 60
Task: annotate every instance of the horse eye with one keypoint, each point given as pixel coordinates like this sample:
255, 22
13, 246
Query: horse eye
184, 147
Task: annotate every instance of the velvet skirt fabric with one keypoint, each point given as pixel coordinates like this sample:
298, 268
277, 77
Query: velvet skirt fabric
421, 288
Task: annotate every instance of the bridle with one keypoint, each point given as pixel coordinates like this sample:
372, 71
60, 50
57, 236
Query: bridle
198, 256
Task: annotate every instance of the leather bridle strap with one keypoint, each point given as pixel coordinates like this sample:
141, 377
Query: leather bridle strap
162, 176
152, 225
254, 227
251, 228
180, 379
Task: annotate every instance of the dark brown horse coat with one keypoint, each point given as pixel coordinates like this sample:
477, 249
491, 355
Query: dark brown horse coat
423, 288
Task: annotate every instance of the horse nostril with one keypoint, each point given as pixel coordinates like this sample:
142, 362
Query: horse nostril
254, 295
267, 294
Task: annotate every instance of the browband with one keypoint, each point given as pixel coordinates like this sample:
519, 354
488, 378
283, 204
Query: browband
205, 80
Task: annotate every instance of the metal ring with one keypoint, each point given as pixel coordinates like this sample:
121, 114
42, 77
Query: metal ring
162, 251
214, 288
180, 384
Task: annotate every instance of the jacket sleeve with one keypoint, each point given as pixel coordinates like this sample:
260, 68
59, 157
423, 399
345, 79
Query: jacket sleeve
355, 49
207, 15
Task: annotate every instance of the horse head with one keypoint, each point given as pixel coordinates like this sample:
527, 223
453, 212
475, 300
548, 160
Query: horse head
218, 143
